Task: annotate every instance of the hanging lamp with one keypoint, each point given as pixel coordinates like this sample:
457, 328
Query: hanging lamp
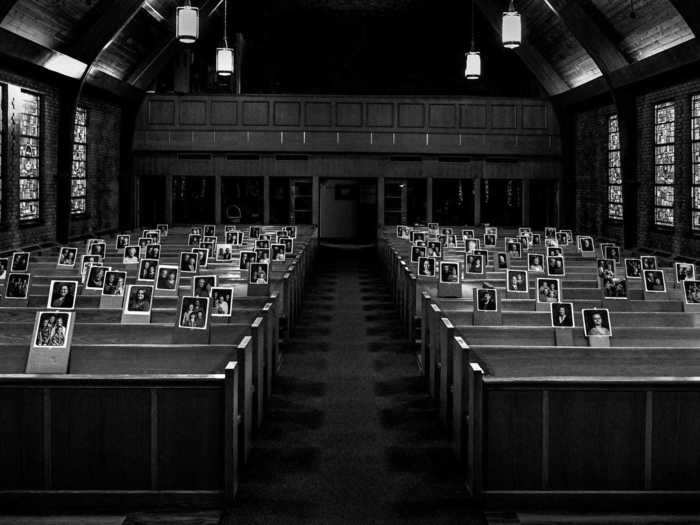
472, 70
224, 55
187, 23
511, 29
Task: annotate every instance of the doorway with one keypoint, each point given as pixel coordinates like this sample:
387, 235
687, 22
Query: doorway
348, 209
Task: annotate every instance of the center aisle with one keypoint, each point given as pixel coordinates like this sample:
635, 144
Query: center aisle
350, 435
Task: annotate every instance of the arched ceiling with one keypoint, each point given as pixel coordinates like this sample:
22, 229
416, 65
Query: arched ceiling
570, 45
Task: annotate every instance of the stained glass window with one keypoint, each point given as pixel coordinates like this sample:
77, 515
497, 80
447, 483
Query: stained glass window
695, 159
614, 170
78, 181
29, 156
664, 163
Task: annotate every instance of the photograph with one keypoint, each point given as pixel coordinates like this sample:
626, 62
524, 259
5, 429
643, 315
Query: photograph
259, 273
168, 277
606, 268
490, 240
466, 234
535, 262
514, 249
550, 232
98, 248
96, 277
400, 231
62, 295
3, 268
692, 292
654, 281
115, 283
288, 245
188, 262
524, 241
487, 300
426, 266
536, 239
245, 259
614, 288
562, 238
277, 252
194, 239
548, 290
554, 251
67, 257
501, 261
265, 244
648, 262
445, 231
194, 313
470, 245
433, 226
163, 229
234, 238
202, 257
586, 245
684, 271
555, 265
153, 251
291, 231
195, 230
20, 262
123, 241
143, 242
254, 232
474, 264
209, 239
417, 236
202, 285
51, 329
154, 235
418, 252
524, 230
451, 241
612, 252
491, 230
86, 261
221, 301
603, 246
281, 234
517, 281
131, 255
209, 230
17, 286
147, 269
596, 321
449, 272
569, 236
210, 247
633, 268
434, 249
139, 299
224, 253
562, 315
262, 255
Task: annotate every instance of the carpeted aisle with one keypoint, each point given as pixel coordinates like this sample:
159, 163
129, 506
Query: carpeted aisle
350, 436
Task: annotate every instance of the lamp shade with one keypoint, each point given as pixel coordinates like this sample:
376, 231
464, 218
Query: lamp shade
187, 24
511, 31
473, 68
224, 61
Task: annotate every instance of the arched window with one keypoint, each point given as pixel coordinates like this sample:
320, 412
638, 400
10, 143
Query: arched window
664, 163
78, 181
614, 171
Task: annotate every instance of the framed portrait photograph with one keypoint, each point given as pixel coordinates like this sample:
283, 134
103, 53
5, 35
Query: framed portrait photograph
417, 252
259, 273
684, 271
168, 277
654, 281
486, 300
612, 252
614, 288
51, 329
153, 251
490, 240
139, 298
648, 262
691, 291
224, 253
535, 239
586, 244
278, 252
17, 286
433, 226
562, 238
202, 285
451, 241
86, 261
262, 255
525, 241
20, 262
446, 231
417, 236
474, 264
123, 240
194, 313
210, 247
555, 265
163, 229
569, 236
265, 237
291, 231
562, 315
535, 262
434, 249
281, 234
491, 230
4, 263
144, 242
554, 251
596, 321
62, 295
633, 268
517, 281
96, 277
188, 262
467, 234
234, 238
549, 290
196, 230
209, 230
605, 268
501, 261
288, 245
115, 283
154, 235
471, 245
449, 272
427, 266
514, 249
262, 243
202, 257
132, 254
67, 257
209, 238
147, 270
400, 231
524, 230
550, 232
221, 301
193, 239
254, 232
245, 258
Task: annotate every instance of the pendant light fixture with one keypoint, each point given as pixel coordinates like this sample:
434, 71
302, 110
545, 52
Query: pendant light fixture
224, 55
472, 70
511, 29
187, 23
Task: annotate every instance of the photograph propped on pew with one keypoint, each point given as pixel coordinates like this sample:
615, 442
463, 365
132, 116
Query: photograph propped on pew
194, 313
434, 249
612, 251
245, 259
513, 248
518, 281
163, 229
3, 268
132, 254
536, 239
555, 265
427, 266
259, 273
153, 251
96, 277
596, 321
51, 329
154, 235
554, 251
254, 232
562, 238
471, 245
633, 268
466, 234
433, 226
487, 300
277, 252
86, 262
501, 261
288, 245
691, 291
168, 278
548, 290
562, 315
534, 262
194, 239
17, 286
195, 230
123, 240
188, 262
98, 248
614, 288
147, 270
20, 262
202, 285
401, 232
449, 272
586, 245
648, 262
490, 240
115, 282
143, 243
62, 295
209, 230
417, 236
291, 231
446, 231
234, 238
474, 264
210, 247
67, 257
262, 255
262, 243
451, 241
550, 232
417, 252
224, 253
684, 272
606, 268
654, 281
221, 301
139, 299
525, 241
202, 257
491, 230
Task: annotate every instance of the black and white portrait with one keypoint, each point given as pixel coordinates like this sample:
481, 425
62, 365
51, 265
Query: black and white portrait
3, 268
144, 242
654, 281
188, 262
487, 300
474, 264
245, 258
514, 249
202, 257
471, 244
691, 291
62, 295
259, 273
554, 251
115, 283
168, 277
633, 268
139, 299
194, 313
96, 277
234, 238
67, 257
209, 230
153, 251
501, 260
288, 245
517, 281
122, 242
614, 288
548, 290
202, 285
466, 234
51, 329
224, 253
648, 262
162, 229
596, 321
555, 265
427, 266
449, 272
131, 255
491, 230
684, 271
98, 248
291, 231
262, 255
562, 238
417, 252
535, 262
587, 245
147, 269
221, 301
550, 232
613, 252
605, 268
490, 240
254, 232
434, 249
20, 262
277, 252
17, 286
194, 239
562, 315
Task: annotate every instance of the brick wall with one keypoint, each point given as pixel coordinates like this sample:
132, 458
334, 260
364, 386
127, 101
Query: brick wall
591, 172
103, 168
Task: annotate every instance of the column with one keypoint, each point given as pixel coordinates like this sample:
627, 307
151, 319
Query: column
266, 199
218, 219
380, 202
525, 204
477, 200
429, 201
315, 208
169, 199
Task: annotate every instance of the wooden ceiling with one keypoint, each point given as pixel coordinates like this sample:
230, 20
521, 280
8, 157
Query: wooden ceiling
569, 44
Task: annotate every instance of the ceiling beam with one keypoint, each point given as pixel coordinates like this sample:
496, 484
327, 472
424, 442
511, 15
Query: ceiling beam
688, 9
5, 8
543, 71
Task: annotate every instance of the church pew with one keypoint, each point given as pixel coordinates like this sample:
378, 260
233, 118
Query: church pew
83, 441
